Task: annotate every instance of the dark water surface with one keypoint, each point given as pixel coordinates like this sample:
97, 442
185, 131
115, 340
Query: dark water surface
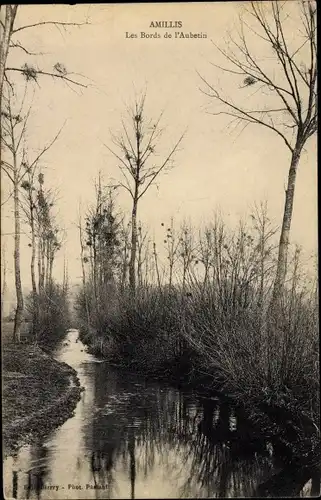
132, 438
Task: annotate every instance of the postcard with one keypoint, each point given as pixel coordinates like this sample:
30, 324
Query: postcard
159, 273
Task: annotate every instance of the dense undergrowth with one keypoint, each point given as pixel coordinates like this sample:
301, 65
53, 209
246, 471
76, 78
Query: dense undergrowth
49, 315
212, 324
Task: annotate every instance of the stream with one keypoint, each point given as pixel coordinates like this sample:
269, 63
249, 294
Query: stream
135, 438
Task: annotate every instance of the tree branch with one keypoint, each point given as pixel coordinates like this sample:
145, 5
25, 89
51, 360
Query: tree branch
46, 73
55, 23
42, 152
4, 168
17, 45
165, 163
244, 114
10, 196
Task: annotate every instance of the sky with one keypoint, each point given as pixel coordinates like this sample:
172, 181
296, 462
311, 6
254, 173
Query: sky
216, 167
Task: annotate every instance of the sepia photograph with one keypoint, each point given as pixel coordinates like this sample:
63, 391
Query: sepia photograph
159, 250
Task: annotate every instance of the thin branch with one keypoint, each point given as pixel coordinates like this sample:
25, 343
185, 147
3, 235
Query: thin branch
153, 136
55, 23
128, 138
43, 151
120, 184
9, 83
165, 163
10, 196
118, 158
244, 115
46, 73
7, 173
17, 45
23, 128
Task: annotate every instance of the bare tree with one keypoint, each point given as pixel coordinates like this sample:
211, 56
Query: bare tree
37, 203
16, 167
48, 233
172, 249
288, 88
83, 267
29, 206
155, 254
15, 173
265, 231
187, 249
205, 253
139, 165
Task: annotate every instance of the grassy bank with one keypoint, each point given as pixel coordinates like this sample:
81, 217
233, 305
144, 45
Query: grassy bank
271, 371
39, 393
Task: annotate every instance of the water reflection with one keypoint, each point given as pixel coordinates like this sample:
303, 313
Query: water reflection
131, 438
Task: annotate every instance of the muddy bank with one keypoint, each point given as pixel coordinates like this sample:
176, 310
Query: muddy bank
39, 394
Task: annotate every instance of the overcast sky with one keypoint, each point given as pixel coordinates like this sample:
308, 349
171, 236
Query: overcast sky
215, 168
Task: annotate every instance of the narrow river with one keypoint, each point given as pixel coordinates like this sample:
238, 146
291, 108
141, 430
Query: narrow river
132, 438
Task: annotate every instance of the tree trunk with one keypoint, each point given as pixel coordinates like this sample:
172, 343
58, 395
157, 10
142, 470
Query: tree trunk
156, 266
124, 270
19, 295
4, 282
171, 264
39, 265
33, 256
95, 277
132, 273
5, 41
84, 275
140, 265
41, 278
42, 262
48, 250
51, 262
285, 231
65, 278
32, 268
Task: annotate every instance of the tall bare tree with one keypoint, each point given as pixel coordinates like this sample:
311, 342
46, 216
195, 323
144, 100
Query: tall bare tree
29, 206
37, 203
14, 170
47, 233
287, 88
139, 165
83, 259
172, 246
16, 167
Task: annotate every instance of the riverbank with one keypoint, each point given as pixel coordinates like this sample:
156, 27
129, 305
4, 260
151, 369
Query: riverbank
39, 394
277, 417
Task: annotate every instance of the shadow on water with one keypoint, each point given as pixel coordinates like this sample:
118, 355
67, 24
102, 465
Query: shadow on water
133, 438
35, 461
